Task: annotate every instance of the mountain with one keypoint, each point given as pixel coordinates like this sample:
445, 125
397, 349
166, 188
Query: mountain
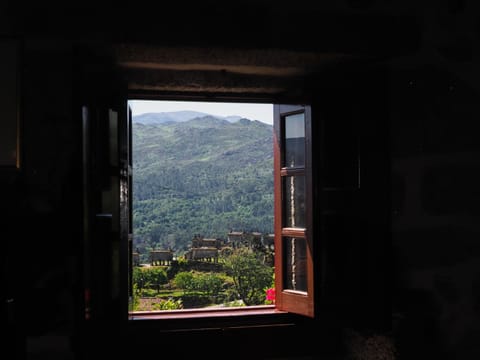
232, 118
176, 116
202, 176
164, 117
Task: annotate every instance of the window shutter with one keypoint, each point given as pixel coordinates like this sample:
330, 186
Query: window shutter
294, 275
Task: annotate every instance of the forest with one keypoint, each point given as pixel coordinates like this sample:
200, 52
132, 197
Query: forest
204, 176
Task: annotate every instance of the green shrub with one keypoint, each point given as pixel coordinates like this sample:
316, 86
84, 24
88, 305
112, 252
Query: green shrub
169, 304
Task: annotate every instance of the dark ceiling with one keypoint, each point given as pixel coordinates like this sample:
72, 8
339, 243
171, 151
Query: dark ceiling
251, 48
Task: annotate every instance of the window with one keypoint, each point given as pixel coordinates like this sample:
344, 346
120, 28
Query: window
292, 218
108, 212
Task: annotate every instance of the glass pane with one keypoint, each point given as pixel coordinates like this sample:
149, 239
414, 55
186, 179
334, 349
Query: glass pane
294, 140
295, 268
294, 201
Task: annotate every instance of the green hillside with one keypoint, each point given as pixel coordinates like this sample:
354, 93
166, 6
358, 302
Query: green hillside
204, 176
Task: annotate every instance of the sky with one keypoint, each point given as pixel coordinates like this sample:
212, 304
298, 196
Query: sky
260, 112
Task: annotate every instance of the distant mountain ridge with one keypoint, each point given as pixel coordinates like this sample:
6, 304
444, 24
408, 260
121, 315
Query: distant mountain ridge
176, 116
202, 176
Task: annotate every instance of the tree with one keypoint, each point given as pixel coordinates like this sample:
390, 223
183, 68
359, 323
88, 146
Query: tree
148, 277
250, 275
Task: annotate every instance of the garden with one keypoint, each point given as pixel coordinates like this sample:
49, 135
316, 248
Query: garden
241, 278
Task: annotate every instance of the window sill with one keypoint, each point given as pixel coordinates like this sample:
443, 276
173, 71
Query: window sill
205, 313
213, 319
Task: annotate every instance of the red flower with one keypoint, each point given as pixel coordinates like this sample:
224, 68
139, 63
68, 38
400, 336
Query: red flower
270, 294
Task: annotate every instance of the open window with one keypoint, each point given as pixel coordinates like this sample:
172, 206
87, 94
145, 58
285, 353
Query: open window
108, 172
292, 218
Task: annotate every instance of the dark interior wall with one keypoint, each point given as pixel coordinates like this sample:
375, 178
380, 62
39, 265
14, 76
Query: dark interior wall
433, 97
42, 203
435, 172
434, 100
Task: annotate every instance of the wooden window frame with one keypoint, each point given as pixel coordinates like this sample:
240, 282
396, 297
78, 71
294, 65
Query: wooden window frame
289, 305
297, 302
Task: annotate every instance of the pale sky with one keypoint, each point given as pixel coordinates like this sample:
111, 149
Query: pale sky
260, 112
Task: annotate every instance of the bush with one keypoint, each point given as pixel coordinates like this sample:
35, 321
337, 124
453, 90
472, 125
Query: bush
184, 280
169, 304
